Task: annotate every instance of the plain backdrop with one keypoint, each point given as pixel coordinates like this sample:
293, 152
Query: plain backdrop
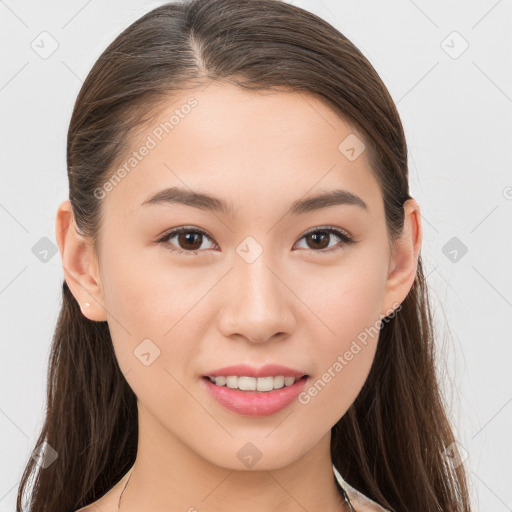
446, 64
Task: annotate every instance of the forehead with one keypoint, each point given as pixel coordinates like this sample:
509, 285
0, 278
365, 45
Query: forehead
243, 144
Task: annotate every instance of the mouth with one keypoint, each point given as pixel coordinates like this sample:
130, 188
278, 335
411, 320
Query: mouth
246, 383
254, 396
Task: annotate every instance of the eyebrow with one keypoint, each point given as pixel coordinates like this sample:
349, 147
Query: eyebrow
177, 195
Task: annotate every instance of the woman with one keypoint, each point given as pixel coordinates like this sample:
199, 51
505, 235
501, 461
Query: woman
245, 321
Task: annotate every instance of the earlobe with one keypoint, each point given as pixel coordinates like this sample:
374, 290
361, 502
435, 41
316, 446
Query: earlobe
79, 264
404, 264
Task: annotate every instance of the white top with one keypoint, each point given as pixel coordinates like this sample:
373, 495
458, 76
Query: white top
360, 502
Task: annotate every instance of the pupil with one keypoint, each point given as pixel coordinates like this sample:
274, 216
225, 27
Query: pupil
315, 237
187, 238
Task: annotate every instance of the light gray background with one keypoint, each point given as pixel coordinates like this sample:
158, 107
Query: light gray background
457, 114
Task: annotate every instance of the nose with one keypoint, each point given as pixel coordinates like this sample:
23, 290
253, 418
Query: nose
257, 304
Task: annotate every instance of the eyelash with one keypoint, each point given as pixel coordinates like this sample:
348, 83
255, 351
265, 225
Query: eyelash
344, 237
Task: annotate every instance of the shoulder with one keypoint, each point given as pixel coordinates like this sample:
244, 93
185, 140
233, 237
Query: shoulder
97, 506
107, 503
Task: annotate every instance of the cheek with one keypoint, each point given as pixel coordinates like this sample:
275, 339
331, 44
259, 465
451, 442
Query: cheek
337, 384
345, 327
147, 302
343, 353
344, 299
147, 296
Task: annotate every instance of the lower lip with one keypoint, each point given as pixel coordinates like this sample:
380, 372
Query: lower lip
255, 403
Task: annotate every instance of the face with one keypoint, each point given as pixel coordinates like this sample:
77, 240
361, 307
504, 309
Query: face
260, 281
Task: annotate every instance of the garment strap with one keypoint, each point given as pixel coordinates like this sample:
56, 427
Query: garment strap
344, 495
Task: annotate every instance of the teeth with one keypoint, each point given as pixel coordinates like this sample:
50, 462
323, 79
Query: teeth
220, 381
253, 384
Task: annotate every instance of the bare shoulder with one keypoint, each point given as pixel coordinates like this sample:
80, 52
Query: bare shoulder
107, 503
88, 508
97, 506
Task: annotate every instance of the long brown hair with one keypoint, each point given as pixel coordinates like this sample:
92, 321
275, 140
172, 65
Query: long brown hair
391, 444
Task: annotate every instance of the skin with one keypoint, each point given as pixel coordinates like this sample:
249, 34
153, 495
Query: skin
260, 151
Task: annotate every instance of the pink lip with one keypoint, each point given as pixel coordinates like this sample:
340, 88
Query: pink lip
255, 403
269, 370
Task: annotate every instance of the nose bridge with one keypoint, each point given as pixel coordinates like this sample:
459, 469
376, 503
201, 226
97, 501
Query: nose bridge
256, 305
259, 288
252, 270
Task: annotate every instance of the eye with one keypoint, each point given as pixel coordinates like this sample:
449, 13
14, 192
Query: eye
319, 238
191, 239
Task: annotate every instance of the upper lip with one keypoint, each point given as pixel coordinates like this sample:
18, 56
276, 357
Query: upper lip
269, 370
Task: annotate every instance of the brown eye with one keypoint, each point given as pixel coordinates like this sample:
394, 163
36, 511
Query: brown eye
188, 240
320, 239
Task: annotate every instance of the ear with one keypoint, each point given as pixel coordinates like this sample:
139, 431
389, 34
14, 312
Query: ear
404, 261
80, 264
